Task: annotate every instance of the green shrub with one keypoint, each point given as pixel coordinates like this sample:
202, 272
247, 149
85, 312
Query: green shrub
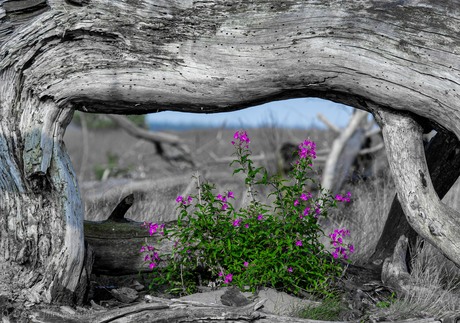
258, 245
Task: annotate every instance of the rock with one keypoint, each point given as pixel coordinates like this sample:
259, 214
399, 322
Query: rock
124, 294
281, 303
233, 297
137, 286
276, 302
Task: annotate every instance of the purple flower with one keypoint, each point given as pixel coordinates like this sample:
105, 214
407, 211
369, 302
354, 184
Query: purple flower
343, 198
298, 243
236, 223
228, 278
221, 198
305, 197
224, 206
230, 195
260, 217
246, 226
306, 211
246, 264
296, 202
242, 136
221, 274
317, 210
290, 269
181, 199
337, 242
153, 227
307, 149
152, 265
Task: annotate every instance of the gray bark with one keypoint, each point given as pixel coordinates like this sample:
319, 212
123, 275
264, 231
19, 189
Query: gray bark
425, 213
209, 56
443, 160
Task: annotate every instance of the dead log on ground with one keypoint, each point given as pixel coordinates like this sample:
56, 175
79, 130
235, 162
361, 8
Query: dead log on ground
157, 138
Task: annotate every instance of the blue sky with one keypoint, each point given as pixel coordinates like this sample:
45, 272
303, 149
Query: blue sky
295, 113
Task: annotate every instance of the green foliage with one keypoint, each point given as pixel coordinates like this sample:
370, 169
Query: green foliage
386, 303
100, 121
258, 245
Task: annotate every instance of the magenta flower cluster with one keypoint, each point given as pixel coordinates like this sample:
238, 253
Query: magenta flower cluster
227, 279
305, 197
242, 137
343, 198
154, 227
223, 199
236, 223
340, 248
307, 149
152, 257
181, 199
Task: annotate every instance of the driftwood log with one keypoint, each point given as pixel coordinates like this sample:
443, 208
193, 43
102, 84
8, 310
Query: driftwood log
158, 139
443, 160
396, 59
116, 242
175, 311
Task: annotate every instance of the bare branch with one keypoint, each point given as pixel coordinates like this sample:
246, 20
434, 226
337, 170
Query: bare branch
329, 124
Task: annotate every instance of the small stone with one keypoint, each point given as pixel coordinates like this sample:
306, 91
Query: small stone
234, 297
124, 294
137, 286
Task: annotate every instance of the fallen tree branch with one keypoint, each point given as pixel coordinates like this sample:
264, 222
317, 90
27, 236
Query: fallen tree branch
329, 124
157, 138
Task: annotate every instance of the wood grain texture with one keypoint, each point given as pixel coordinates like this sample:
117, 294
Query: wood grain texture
201, 56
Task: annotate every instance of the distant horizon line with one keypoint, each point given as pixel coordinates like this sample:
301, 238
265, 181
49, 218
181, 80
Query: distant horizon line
164, 126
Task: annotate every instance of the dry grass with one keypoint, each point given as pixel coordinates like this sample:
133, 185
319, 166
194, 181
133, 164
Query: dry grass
435, 292
365, 216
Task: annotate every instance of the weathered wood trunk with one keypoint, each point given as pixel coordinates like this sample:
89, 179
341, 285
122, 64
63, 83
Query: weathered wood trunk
443, 160
116, 246
386, 57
